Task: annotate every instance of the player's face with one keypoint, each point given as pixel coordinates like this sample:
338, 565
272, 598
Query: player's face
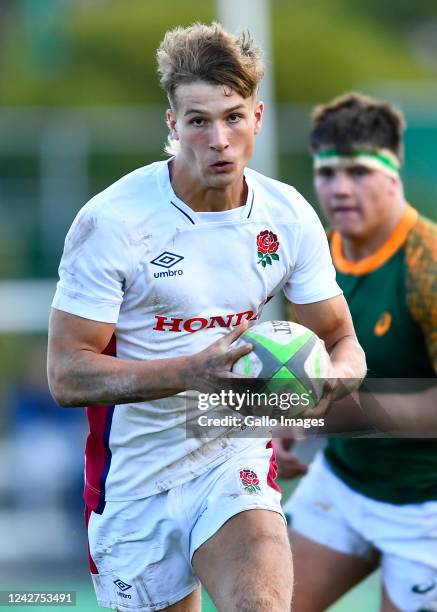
355, 199
216, 129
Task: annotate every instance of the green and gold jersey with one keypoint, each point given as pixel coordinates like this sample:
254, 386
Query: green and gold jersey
392, 299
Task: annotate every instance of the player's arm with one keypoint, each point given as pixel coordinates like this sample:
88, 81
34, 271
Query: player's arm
409, 408
332, 322
79, 374
403, 410
317, 300
399, 407
421, 282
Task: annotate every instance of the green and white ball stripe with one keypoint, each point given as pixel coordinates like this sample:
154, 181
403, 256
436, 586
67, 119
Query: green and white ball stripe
290, 357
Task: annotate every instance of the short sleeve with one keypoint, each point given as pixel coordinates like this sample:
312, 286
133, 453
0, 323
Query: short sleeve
94, 268
421, 281
313, 276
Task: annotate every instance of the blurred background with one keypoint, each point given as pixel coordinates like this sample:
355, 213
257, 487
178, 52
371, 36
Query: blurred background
80, 106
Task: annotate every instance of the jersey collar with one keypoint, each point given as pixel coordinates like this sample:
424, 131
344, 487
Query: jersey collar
382, 255
191, 215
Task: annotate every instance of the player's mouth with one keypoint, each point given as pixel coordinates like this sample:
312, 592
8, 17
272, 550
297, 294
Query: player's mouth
344, 209
221, 166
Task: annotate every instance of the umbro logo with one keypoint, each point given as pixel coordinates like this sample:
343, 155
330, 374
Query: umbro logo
122, 585
166, 260
423, 588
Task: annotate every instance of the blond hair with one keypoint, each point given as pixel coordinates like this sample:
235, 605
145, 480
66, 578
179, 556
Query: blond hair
208, 53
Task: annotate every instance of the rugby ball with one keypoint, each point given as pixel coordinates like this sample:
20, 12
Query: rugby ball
287, 357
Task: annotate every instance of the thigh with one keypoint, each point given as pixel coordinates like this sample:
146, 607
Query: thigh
386, 604
247, 564
322, 575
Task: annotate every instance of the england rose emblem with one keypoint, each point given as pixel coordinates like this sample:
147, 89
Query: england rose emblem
267, 243
249, 480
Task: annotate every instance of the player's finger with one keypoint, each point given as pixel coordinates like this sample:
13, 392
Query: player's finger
227, 374
286, 443
292, 471
233, 354
317, 411
290, 462
236, 332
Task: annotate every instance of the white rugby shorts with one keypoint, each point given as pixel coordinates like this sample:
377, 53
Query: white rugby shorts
141, 550
324, 509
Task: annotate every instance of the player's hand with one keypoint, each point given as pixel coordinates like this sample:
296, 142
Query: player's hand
212, 366
330, 391
337, 386
289, 466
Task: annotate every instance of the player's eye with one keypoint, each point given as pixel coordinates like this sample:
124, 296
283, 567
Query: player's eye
359, 171
326, 173
197, 122
234, 118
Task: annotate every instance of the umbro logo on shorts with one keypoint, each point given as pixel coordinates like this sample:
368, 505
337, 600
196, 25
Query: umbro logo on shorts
122, 585
423, 588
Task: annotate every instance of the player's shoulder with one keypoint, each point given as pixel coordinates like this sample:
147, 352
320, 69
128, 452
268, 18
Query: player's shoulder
424, 232
130, 196
421, 244
421, 280
281, 196
122, 214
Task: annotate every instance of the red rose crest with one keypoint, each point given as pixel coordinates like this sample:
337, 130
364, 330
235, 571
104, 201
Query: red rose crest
249, 480
267, 243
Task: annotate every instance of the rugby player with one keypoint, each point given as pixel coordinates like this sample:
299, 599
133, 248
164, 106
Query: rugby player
369, 502
161, 272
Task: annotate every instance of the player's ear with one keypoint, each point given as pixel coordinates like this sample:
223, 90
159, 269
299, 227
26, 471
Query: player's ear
395, 184
258, 111
171, 123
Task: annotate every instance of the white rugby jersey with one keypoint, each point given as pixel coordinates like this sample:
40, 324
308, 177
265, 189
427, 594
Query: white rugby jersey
174, 281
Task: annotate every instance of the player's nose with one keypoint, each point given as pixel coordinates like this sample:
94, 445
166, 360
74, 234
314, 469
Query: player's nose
218, 140
341, 184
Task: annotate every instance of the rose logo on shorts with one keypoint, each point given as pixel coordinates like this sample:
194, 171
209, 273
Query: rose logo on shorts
267, 243
250, 481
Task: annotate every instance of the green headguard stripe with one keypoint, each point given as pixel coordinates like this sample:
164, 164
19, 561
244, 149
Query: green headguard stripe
385, 157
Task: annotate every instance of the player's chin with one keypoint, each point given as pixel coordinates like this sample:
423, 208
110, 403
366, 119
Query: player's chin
222, 180
225, 174
350, 229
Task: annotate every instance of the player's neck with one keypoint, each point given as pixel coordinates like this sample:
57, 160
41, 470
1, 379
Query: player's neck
357, 248
203, 198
